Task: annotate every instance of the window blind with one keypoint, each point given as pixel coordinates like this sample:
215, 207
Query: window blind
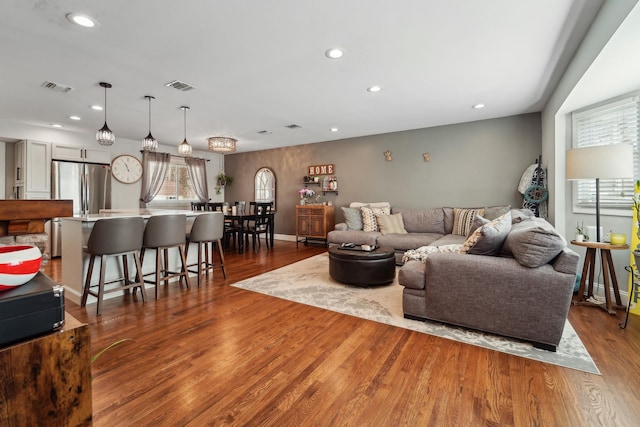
613, 122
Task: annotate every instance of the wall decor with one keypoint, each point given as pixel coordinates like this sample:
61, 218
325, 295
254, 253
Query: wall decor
426, 156
321, 170
387, 156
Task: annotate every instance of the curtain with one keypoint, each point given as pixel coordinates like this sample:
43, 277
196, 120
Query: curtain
198, 173
154, 169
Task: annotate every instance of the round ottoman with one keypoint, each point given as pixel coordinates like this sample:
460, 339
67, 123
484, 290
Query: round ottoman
361, 268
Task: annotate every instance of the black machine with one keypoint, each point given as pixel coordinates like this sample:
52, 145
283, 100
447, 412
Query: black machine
33, 309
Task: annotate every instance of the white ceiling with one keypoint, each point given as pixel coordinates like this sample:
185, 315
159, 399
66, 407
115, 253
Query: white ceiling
260, 65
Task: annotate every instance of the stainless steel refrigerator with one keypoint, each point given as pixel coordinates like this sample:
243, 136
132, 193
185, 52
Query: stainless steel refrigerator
87, 184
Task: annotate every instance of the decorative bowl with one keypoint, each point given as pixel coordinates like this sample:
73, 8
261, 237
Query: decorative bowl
18, 265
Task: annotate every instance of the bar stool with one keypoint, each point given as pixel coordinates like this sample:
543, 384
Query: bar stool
161, 233
207, 229
114, 237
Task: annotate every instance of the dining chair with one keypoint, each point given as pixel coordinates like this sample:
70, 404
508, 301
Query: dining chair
114, 237
161, 233
207, 231
258, 225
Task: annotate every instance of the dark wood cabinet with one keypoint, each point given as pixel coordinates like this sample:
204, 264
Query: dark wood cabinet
314, 222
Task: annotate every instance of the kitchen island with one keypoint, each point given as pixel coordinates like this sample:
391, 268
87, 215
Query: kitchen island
76, 231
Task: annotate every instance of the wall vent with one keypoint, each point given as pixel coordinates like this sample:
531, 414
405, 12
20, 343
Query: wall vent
57, 87
182, 86
265, 132
293, 126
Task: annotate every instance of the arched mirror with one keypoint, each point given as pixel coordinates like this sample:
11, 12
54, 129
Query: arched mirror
265, 186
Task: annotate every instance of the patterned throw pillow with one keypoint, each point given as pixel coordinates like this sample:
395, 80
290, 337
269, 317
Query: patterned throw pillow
391, 224
353, 218
463, 219
369, 222
488, 239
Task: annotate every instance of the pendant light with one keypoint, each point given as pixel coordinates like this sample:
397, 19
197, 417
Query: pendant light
184, 148
104, 135
149, 143
222, 144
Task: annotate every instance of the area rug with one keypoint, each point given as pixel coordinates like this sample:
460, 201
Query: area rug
308, 282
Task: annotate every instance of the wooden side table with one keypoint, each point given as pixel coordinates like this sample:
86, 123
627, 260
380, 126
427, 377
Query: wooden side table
609, 275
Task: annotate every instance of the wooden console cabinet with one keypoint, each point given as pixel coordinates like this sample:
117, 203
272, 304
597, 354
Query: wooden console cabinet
47, 380
313, 222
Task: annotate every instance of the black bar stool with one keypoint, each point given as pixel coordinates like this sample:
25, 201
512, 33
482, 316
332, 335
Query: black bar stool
161, 233
114, 237
207, 229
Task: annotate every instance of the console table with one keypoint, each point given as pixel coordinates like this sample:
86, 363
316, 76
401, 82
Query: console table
608, 273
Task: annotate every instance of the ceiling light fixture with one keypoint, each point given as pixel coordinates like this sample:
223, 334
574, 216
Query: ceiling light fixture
97, 107
374, 89
478, 106
149, 143
334, 129
56, 125
104, 135
222, 144
184, 148
75, 117
82, 20
335, 53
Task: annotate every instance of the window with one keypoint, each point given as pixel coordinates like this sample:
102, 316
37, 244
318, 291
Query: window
612, 122
265, 186
177, 184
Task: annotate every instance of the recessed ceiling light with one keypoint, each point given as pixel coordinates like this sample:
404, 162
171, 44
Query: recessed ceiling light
335, 53
96, 107
334, 129
478, 106
55, 125
374, 89
83, 20
75, 118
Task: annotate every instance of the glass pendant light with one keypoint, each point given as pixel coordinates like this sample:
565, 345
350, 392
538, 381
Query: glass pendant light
104, 136
184, 148
149, 143
222, 144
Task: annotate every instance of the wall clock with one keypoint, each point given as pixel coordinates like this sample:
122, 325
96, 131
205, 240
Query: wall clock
126, 169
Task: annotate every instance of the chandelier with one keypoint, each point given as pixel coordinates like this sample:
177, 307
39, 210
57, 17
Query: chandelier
222, 144
105, 136
149, 143
184, 148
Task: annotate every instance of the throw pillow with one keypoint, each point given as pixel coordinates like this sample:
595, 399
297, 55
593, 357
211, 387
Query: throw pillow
353, 218
533, 242
369, 222
391, 224
462, 220
422, 253
488, 239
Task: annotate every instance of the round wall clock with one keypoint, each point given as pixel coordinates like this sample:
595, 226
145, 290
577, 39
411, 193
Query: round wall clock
126, 169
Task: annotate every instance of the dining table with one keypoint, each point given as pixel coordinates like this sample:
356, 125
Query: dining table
243, 218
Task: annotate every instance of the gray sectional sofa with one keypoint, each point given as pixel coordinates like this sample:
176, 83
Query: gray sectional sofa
520, 287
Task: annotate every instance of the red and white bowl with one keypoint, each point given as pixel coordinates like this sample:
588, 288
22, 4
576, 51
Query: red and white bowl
18, 265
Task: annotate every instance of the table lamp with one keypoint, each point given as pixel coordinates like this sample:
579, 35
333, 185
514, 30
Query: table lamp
613, 161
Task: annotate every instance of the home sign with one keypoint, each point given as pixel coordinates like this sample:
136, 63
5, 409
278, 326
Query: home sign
321, 170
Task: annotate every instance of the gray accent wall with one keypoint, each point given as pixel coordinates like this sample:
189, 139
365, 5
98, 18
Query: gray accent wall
472, 164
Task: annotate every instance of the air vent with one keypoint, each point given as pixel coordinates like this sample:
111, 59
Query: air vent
293, 126
56, 87
265, 132
182, 86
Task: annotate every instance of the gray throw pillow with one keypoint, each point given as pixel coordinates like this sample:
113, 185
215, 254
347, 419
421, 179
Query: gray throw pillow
533, 242
353, 218
488, 238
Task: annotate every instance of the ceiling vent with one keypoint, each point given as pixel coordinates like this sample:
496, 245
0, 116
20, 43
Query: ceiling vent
293, 126
56, 87
182, 86
264, 132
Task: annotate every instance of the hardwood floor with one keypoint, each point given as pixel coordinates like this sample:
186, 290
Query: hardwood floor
218, 355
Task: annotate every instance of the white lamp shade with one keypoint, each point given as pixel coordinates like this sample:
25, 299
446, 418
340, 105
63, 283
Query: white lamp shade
601, 161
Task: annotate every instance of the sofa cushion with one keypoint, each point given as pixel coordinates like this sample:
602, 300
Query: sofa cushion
402, 242
390, 224
422, 220
353, 218
533, 242
369, 222
488, 238
463, 218
371, 205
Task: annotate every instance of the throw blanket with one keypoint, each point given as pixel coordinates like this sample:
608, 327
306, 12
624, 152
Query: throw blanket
422, 253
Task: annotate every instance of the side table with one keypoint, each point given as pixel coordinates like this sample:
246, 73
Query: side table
608, 273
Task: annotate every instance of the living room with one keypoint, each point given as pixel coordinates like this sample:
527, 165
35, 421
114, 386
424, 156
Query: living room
471, 163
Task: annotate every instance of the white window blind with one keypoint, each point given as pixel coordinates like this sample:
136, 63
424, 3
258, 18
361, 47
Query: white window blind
613, 122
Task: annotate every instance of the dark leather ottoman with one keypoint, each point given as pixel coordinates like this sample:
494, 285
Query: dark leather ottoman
360, 268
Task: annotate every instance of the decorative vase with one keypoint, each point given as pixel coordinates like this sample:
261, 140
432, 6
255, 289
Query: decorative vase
303, 201
579, 238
